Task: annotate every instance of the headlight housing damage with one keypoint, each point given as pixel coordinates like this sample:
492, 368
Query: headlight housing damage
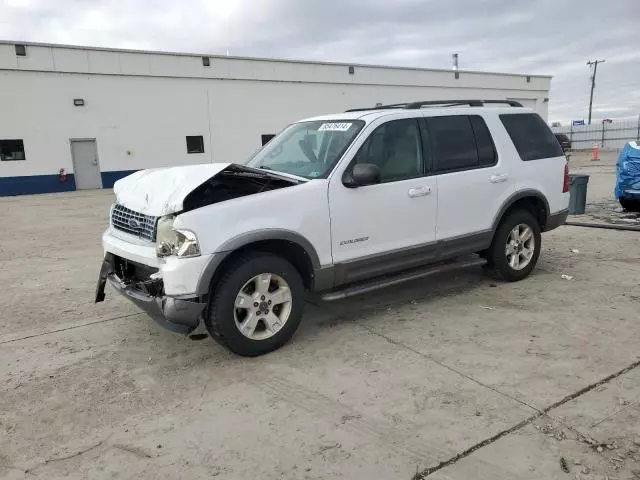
170, 241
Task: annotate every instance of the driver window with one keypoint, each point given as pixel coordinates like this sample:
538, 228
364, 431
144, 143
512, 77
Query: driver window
396, 149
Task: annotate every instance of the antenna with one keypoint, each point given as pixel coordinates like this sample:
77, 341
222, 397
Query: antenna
454, 58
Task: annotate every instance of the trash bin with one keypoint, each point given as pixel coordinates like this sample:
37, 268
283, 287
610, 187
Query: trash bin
577, 193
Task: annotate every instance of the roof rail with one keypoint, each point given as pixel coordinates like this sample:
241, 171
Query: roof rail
444, 103
380, 107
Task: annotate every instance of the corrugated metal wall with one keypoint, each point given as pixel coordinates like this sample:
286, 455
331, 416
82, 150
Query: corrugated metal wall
606, 135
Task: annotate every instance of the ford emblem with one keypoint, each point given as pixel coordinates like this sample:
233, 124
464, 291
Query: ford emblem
135, 224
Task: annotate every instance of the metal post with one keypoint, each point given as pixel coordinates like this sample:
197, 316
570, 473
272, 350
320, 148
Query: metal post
638, 134
602, 143
571, 132
593, 83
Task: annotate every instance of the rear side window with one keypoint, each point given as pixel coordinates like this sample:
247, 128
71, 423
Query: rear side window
453, 144
486, 150
460, 142
531, 136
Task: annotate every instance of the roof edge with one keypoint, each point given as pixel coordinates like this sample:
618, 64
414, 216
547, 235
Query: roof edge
260, 59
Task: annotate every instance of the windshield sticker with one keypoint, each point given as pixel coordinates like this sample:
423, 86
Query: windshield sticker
335, 127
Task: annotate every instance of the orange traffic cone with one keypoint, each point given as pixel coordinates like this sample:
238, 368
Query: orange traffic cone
596, 151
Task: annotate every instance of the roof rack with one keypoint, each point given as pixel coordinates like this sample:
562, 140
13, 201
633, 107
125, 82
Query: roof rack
444, 103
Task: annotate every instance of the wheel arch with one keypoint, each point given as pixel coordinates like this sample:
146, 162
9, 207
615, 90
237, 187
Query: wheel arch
292, 246
532, 201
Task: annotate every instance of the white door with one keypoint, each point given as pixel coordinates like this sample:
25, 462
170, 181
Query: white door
472, 181
388, 226
86, 169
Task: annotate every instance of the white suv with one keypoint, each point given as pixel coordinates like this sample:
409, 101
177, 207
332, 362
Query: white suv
339, 204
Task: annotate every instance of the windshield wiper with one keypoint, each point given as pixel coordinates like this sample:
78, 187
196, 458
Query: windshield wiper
264, 167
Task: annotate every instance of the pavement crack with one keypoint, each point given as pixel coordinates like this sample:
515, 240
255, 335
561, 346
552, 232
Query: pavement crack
448, 367
428, 471
68, 457
42, 334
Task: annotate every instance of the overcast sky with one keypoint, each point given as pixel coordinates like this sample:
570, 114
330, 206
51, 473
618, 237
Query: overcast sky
554, 37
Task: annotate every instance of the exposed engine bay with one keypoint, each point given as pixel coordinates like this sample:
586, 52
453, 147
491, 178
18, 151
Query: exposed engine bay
234, 182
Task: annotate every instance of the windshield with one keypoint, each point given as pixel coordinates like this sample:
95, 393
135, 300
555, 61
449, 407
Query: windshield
307, 149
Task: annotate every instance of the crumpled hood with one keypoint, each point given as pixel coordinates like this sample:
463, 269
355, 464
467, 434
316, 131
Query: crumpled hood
161, 191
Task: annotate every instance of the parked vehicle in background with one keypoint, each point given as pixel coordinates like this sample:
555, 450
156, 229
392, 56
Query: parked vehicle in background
564, 141
627, 189
339, 205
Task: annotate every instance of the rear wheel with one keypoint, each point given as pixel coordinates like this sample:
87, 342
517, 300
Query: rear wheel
516, 246
257, 305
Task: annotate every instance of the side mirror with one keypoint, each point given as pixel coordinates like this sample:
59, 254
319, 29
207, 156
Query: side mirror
361, 175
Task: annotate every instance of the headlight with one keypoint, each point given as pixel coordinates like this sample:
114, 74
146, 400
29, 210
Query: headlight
187, 245
182, 243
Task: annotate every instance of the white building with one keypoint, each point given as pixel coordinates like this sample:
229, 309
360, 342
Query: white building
97, 114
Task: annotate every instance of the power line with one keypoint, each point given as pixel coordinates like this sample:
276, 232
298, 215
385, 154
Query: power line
593, 82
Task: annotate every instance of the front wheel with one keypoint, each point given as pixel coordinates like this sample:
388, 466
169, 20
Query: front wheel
257, 305
516, 246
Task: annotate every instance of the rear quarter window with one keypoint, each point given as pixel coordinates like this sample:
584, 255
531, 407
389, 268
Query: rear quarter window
531, 136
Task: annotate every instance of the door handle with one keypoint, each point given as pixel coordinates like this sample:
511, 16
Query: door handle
419, 191
502, 177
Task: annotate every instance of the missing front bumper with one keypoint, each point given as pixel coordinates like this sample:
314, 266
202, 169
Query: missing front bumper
181, 315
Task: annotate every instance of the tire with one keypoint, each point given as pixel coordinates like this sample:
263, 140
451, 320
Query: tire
630, 205
503, 242
232, 309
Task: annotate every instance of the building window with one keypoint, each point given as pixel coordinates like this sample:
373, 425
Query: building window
11, 150
206, 61
195, 144
21, 50
352, 70
266, 138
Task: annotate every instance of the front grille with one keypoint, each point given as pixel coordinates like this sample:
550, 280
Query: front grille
135, 223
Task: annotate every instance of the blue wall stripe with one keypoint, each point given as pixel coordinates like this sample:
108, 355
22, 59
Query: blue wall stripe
30, 184
109, 178
35, 184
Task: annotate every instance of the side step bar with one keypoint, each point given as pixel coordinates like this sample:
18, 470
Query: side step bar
387, 281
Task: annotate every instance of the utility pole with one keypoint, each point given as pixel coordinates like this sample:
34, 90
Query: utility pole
593, 82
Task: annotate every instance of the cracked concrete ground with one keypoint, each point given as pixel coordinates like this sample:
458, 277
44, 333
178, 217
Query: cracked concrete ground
454, 377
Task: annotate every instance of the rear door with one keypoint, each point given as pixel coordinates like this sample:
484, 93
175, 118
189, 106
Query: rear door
473, 181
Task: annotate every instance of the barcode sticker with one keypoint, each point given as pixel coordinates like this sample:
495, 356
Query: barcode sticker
334, 127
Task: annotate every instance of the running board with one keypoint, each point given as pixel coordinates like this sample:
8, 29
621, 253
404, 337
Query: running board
387, 281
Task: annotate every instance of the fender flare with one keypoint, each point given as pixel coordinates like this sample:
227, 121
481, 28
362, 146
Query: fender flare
513, 199
233, 244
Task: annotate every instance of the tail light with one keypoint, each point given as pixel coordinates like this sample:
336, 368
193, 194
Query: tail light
565, 183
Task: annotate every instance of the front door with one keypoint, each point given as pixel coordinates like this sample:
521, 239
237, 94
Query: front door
388, 226
86, 168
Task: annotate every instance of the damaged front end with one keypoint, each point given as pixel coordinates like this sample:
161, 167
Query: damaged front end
140, 284
149, 258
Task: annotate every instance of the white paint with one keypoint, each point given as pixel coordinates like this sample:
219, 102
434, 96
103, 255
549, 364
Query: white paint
158, 192
469, 200
302, 209
140, 106
341, 224
385, 214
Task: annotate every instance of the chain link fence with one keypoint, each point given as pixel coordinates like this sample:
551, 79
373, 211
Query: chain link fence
606, 134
